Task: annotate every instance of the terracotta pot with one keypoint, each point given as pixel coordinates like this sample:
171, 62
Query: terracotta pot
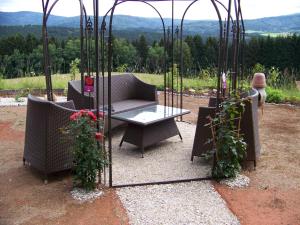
259, 80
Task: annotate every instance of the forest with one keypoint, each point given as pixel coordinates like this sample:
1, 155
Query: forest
22, 55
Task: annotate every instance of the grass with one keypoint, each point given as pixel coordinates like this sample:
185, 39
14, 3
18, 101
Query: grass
60, 81
195, 83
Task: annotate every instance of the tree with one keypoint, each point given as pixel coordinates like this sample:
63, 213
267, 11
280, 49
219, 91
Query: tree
123, 53
187, 56
142, 50
74, 68
155, 62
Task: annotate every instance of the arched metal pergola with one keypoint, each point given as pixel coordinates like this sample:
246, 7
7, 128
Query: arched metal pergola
233, 24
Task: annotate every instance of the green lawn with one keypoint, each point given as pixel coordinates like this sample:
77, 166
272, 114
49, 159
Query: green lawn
61, 81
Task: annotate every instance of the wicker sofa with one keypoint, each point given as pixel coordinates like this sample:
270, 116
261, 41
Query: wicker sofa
45, 147
249, 128
127, 92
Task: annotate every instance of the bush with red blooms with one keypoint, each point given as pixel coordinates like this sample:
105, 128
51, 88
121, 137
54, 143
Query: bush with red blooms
89, 156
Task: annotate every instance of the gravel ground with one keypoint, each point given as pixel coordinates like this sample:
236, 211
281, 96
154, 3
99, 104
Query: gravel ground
23, 101
12, 102
167, 160
82, 195
194, 203
240, 181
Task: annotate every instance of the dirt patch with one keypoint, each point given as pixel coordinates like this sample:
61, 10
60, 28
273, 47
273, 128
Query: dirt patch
24, 199
272, 197
257, 206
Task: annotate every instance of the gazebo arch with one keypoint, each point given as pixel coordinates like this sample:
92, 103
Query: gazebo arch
47, 67
222, 55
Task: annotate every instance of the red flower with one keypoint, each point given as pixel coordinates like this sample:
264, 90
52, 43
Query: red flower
82, 112
74, 116
92, 115
99, 136
101, 115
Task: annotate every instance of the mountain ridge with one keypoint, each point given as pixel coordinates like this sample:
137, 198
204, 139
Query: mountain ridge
279, 24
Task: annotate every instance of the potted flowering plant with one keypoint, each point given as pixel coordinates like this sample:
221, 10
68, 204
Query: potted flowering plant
89, 153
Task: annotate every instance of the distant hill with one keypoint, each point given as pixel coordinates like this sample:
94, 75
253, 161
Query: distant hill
130, 24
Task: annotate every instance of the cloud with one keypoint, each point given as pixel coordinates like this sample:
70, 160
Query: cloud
200, 10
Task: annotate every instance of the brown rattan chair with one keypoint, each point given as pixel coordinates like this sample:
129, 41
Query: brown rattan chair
46, 149
249, 127
125, 88
127, 93
203, 133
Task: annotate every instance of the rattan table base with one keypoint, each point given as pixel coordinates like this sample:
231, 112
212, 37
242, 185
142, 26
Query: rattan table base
144, 136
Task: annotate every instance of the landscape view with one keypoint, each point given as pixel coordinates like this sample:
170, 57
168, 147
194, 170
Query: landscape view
187, 125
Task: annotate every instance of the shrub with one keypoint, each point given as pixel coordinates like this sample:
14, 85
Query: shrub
1, 82
89, 160
258, 68
273, 76
274, 95
122, 68
74, 68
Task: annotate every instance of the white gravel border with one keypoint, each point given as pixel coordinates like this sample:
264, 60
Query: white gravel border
23, 101
193, 203
240, 181
82, 195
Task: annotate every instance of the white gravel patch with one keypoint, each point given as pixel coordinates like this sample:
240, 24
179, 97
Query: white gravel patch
82, 195
23, 101
12, 102
240, 181
165, 161
193, 203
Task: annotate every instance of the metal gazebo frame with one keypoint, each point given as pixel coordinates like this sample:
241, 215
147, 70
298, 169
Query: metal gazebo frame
232, 21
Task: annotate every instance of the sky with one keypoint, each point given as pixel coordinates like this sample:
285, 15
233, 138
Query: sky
200, 10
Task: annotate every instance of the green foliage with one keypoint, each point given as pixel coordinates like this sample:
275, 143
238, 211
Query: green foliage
229, 144
1, 82
208, 74
274, 95
88, 159
155, 59
22, 93
122, 68
175, 76
258, 68
142, 51
273, 76
74, 68
20, 56
124, 53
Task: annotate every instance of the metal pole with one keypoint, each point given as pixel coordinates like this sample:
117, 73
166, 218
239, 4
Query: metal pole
177, 63
172, 55
109, 64
81, 49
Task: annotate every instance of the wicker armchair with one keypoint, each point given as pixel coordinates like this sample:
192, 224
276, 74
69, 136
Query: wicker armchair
249, 128
45, 148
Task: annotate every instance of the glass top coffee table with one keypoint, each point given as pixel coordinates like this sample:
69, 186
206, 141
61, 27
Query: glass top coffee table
150, 125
